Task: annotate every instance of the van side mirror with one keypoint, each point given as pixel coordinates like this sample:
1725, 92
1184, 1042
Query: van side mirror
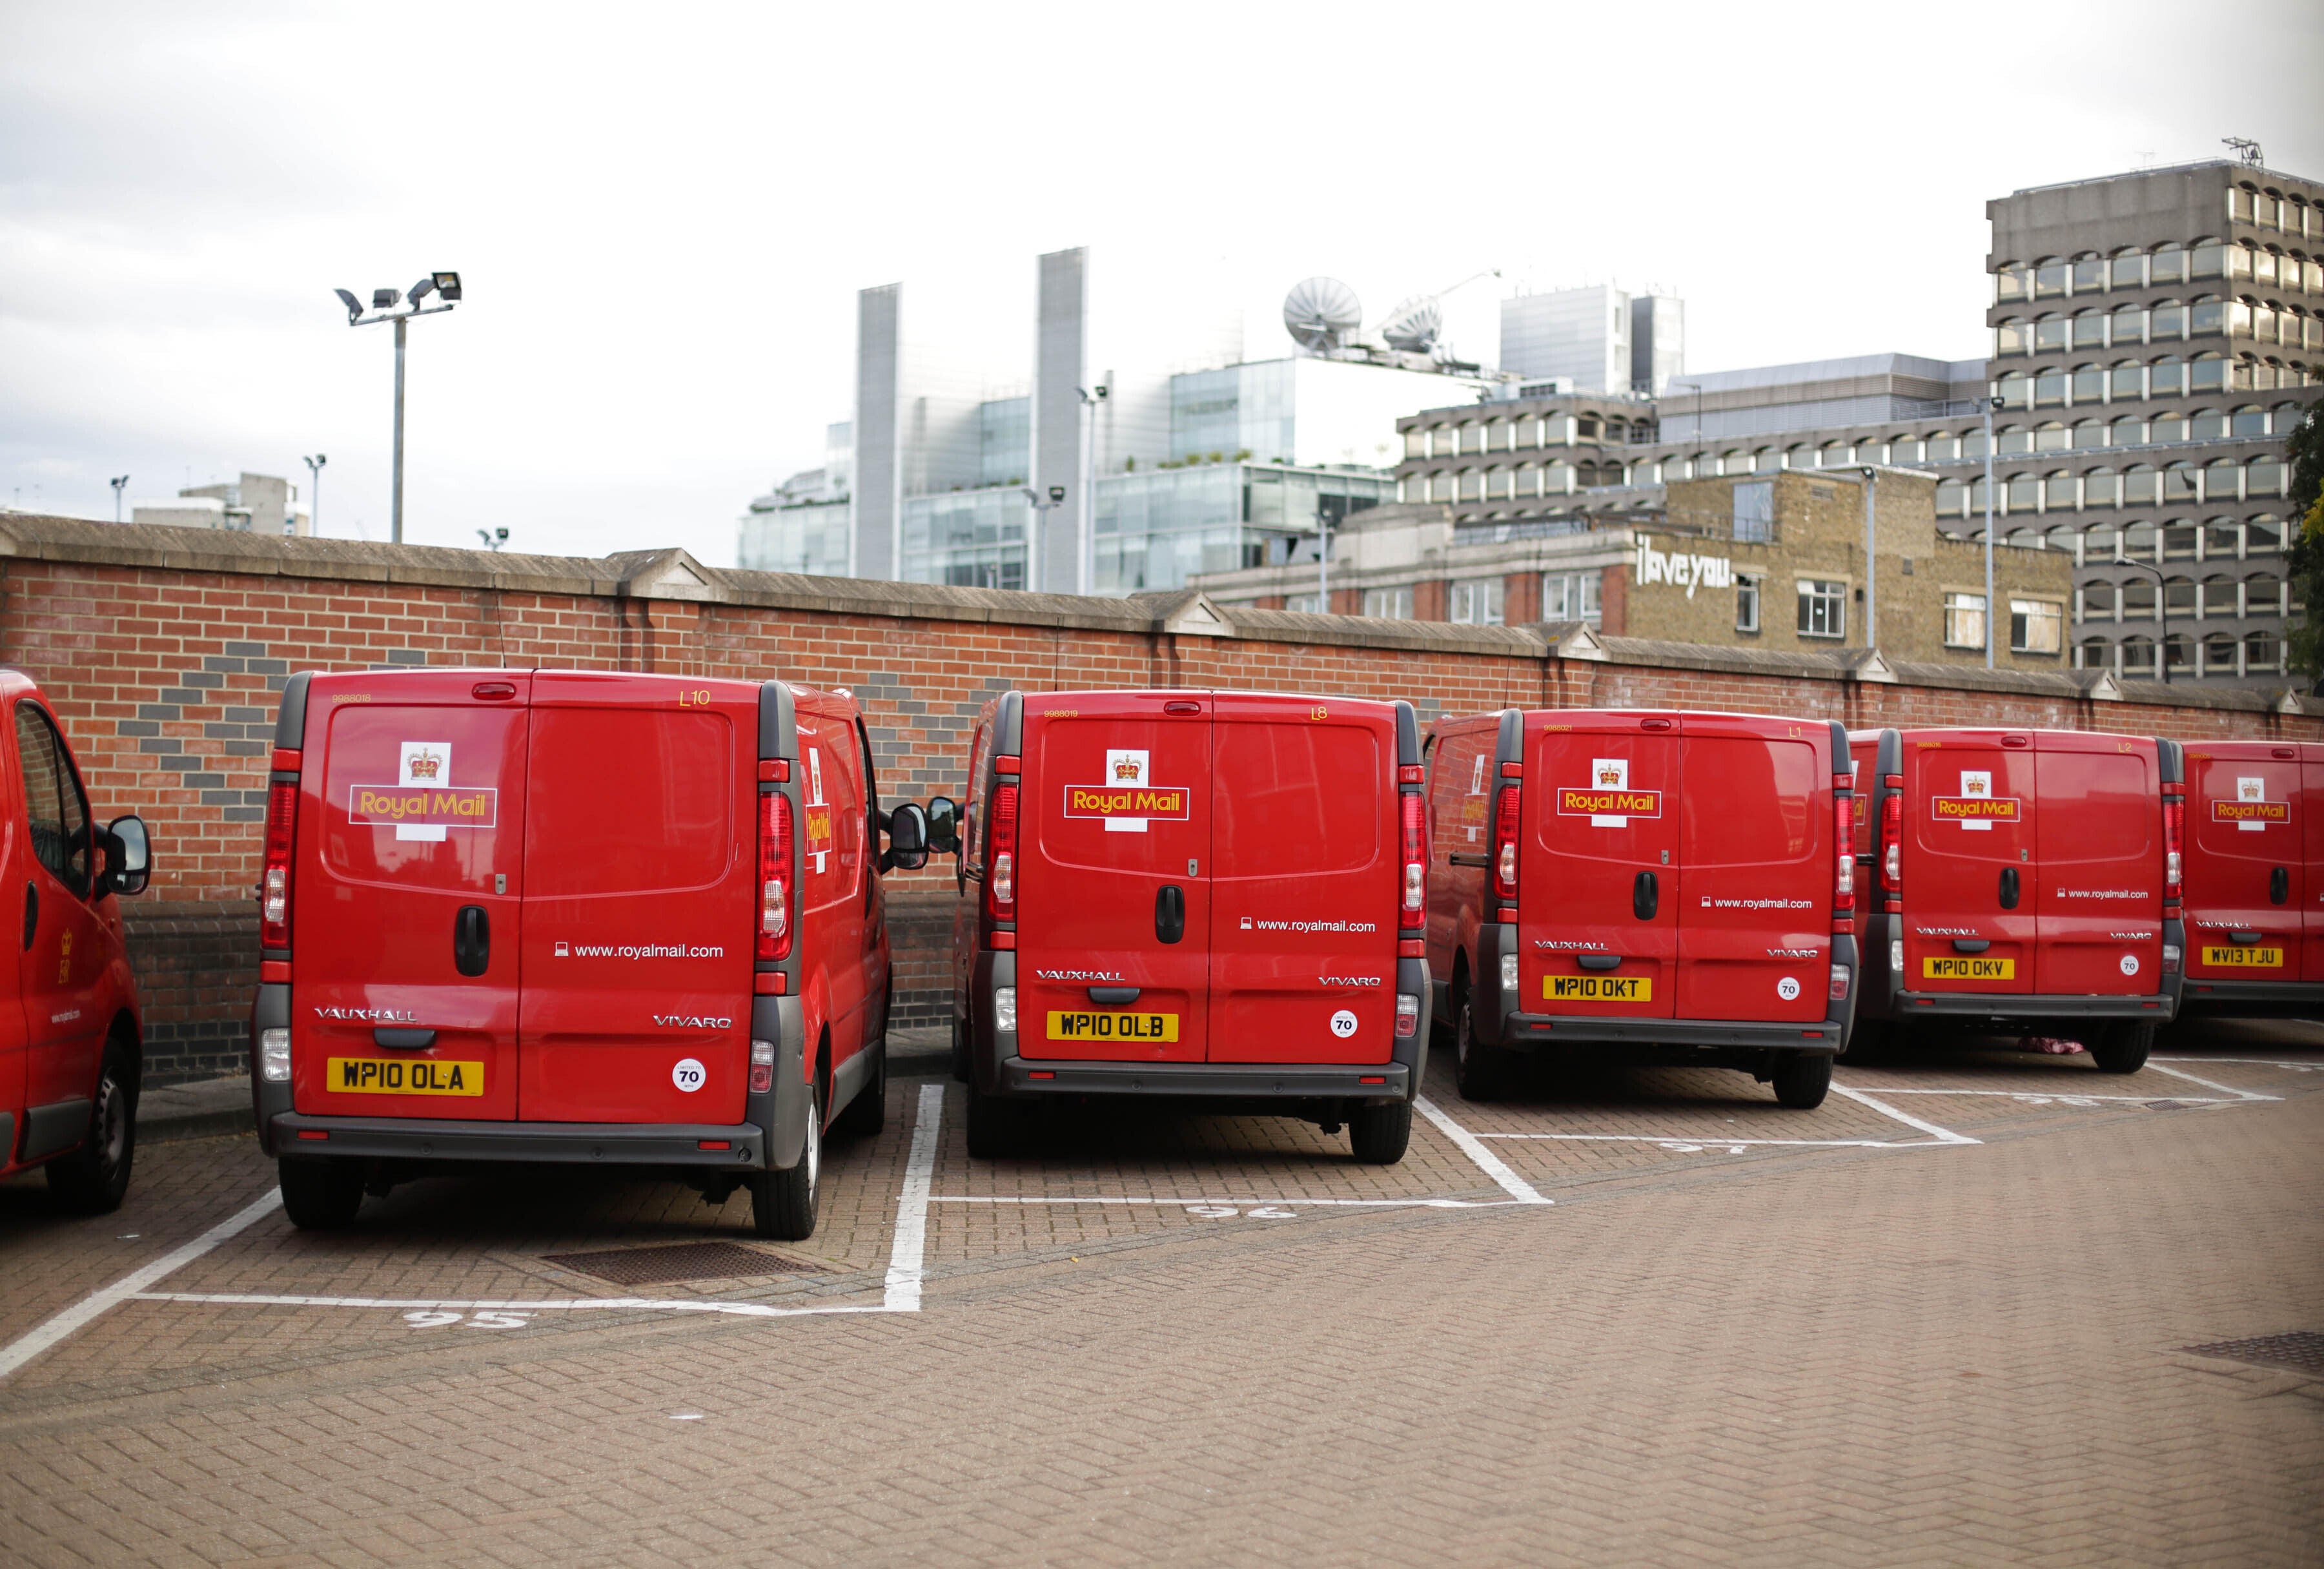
908, 839
128, 857
944, 825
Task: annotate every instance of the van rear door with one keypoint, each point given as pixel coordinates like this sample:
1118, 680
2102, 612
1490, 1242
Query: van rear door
1303, 886
639, 850
1113, 899
2311, 813
1600, 879
2098, 822
1754, 837
404, 909
2244, 870
1971, 874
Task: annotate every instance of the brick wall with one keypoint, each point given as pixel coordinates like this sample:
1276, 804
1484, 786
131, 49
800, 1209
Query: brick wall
164, 651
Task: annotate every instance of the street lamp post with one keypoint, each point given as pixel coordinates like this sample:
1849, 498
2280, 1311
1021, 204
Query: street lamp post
444, 285
1087, 565
1041, 511
315, 502
1990, 405
118, 484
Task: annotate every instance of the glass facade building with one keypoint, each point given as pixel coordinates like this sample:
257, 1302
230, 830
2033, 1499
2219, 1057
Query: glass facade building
969, 539
808, 537
1159, 528
1005, 440
1240, 409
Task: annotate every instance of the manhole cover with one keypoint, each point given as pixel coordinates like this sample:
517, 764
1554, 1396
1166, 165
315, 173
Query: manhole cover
2301, 1350
685, 1261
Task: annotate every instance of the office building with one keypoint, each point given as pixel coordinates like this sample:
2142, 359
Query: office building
1599, 339
256, 503
802, 524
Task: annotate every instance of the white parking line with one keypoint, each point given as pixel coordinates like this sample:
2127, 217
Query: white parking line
905, 1260
1942, 1135
25, 1347
1736, 1145
2303, 1067
1486, 1161
2207, 1083
1167, 1202
497, 1305
2075, 1098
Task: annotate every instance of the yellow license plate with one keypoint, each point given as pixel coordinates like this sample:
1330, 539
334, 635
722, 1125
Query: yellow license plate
1598, 988
1968, 969
2243, 958
1142, 1027
388, 1076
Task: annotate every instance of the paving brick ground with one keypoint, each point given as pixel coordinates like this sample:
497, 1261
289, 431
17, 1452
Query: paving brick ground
1707, 1349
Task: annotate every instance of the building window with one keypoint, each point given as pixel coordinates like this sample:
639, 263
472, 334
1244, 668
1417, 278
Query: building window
2129, 269
1823, 608
1569, 596
1755, 511
2263, 597
1389, 603
2263, 536
1964, 621
1747, 603
1952, 498
1306, 604
2219, 599
2138, 657
2098, 601
1478, 602
2099, 488
2036, 626
2263, 653
2093, 655
2060, 493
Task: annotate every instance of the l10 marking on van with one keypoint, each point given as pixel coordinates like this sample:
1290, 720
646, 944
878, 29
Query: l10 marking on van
373, 1076
1093, 1026
2242, 958
423, 811
1598, 988
1941, 968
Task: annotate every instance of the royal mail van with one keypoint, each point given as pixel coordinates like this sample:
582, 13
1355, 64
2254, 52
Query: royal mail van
1657, 887
1192, 893
2254, 880
69, 1043
2027, 882
570, 916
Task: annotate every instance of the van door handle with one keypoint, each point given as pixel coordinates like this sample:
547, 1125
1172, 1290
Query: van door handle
1970, 944
32, 915
403, 1039
2244, 938
1113, 996
2279, 886
1645, 896
2009, 887
471, 940
1170, 913
1463, 858
1598, 961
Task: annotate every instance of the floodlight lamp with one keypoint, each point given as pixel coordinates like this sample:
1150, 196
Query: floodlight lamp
1057, 493
419, 291
447, 285
501, 532
384, 299
354, 304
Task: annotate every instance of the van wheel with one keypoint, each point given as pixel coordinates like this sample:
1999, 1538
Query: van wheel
960, 1051
867, 1114
1483, 1072
320, 1196
1377, 1135
94, 1179
1803, 1079
782, 1203
996, 1126
2123, 1048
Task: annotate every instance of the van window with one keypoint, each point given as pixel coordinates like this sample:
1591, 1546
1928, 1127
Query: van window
1292, 798
832, 810
622, 800
980, 760
57, 811
2103, 801
1745, 802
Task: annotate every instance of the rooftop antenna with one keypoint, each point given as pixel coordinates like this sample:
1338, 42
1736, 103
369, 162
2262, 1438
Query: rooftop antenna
2247, 152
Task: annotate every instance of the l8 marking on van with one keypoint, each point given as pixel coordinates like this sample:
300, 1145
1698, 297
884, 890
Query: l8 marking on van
1093, 1026
371, 1075
1598, 988
1941, 968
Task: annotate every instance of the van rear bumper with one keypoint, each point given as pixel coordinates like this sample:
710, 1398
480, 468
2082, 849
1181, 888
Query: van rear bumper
1540, 1031
564, 1143
2202, 999
1240, 1081
2023, 1006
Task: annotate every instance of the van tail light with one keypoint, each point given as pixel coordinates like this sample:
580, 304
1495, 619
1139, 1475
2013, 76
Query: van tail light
1001, 843
275, 881
2174, 837
778, 897
1839, 984
1843, 871
1505, 842
1892, 839
2171, 958
762, 1067
1411, 908
1407, 1017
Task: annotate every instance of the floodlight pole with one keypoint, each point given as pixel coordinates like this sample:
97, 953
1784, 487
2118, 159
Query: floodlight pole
395, 503
315, 501
1990, 404
119, 486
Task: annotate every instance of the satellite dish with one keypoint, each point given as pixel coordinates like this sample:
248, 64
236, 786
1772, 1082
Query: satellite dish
1321, 314
1414, 325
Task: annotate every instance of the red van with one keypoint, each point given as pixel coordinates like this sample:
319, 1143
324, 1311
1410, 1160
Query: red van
570, 916
2028, 881
69, 1045
1669, 887
2254, 880
1192, 893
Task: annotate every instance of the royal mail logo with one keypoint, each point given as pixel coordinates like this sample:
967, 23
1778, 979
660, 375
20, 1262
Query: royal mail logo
818, 831
1606, 803
417, 806
2251, 811
1609, 776
1125, 771
1168, 802
1974, 809
426, 765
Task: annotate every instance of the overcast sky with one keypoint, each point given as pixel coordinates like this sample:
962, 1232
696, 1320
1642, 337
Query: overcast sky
662, 214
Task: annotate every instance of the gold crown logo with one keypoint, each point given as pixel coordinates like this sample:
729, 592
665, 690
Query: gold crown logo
1125, 768
1609, 776
425, 764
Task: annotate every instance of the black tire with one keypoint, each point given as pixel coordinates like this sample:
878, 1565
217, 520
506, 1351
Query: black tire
2121, 1048
1484, 1072
94, 1179
320, 1196
867, 1114
783, 1203
997, 1126
960, 1051
1377, 1135
1802, 1080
